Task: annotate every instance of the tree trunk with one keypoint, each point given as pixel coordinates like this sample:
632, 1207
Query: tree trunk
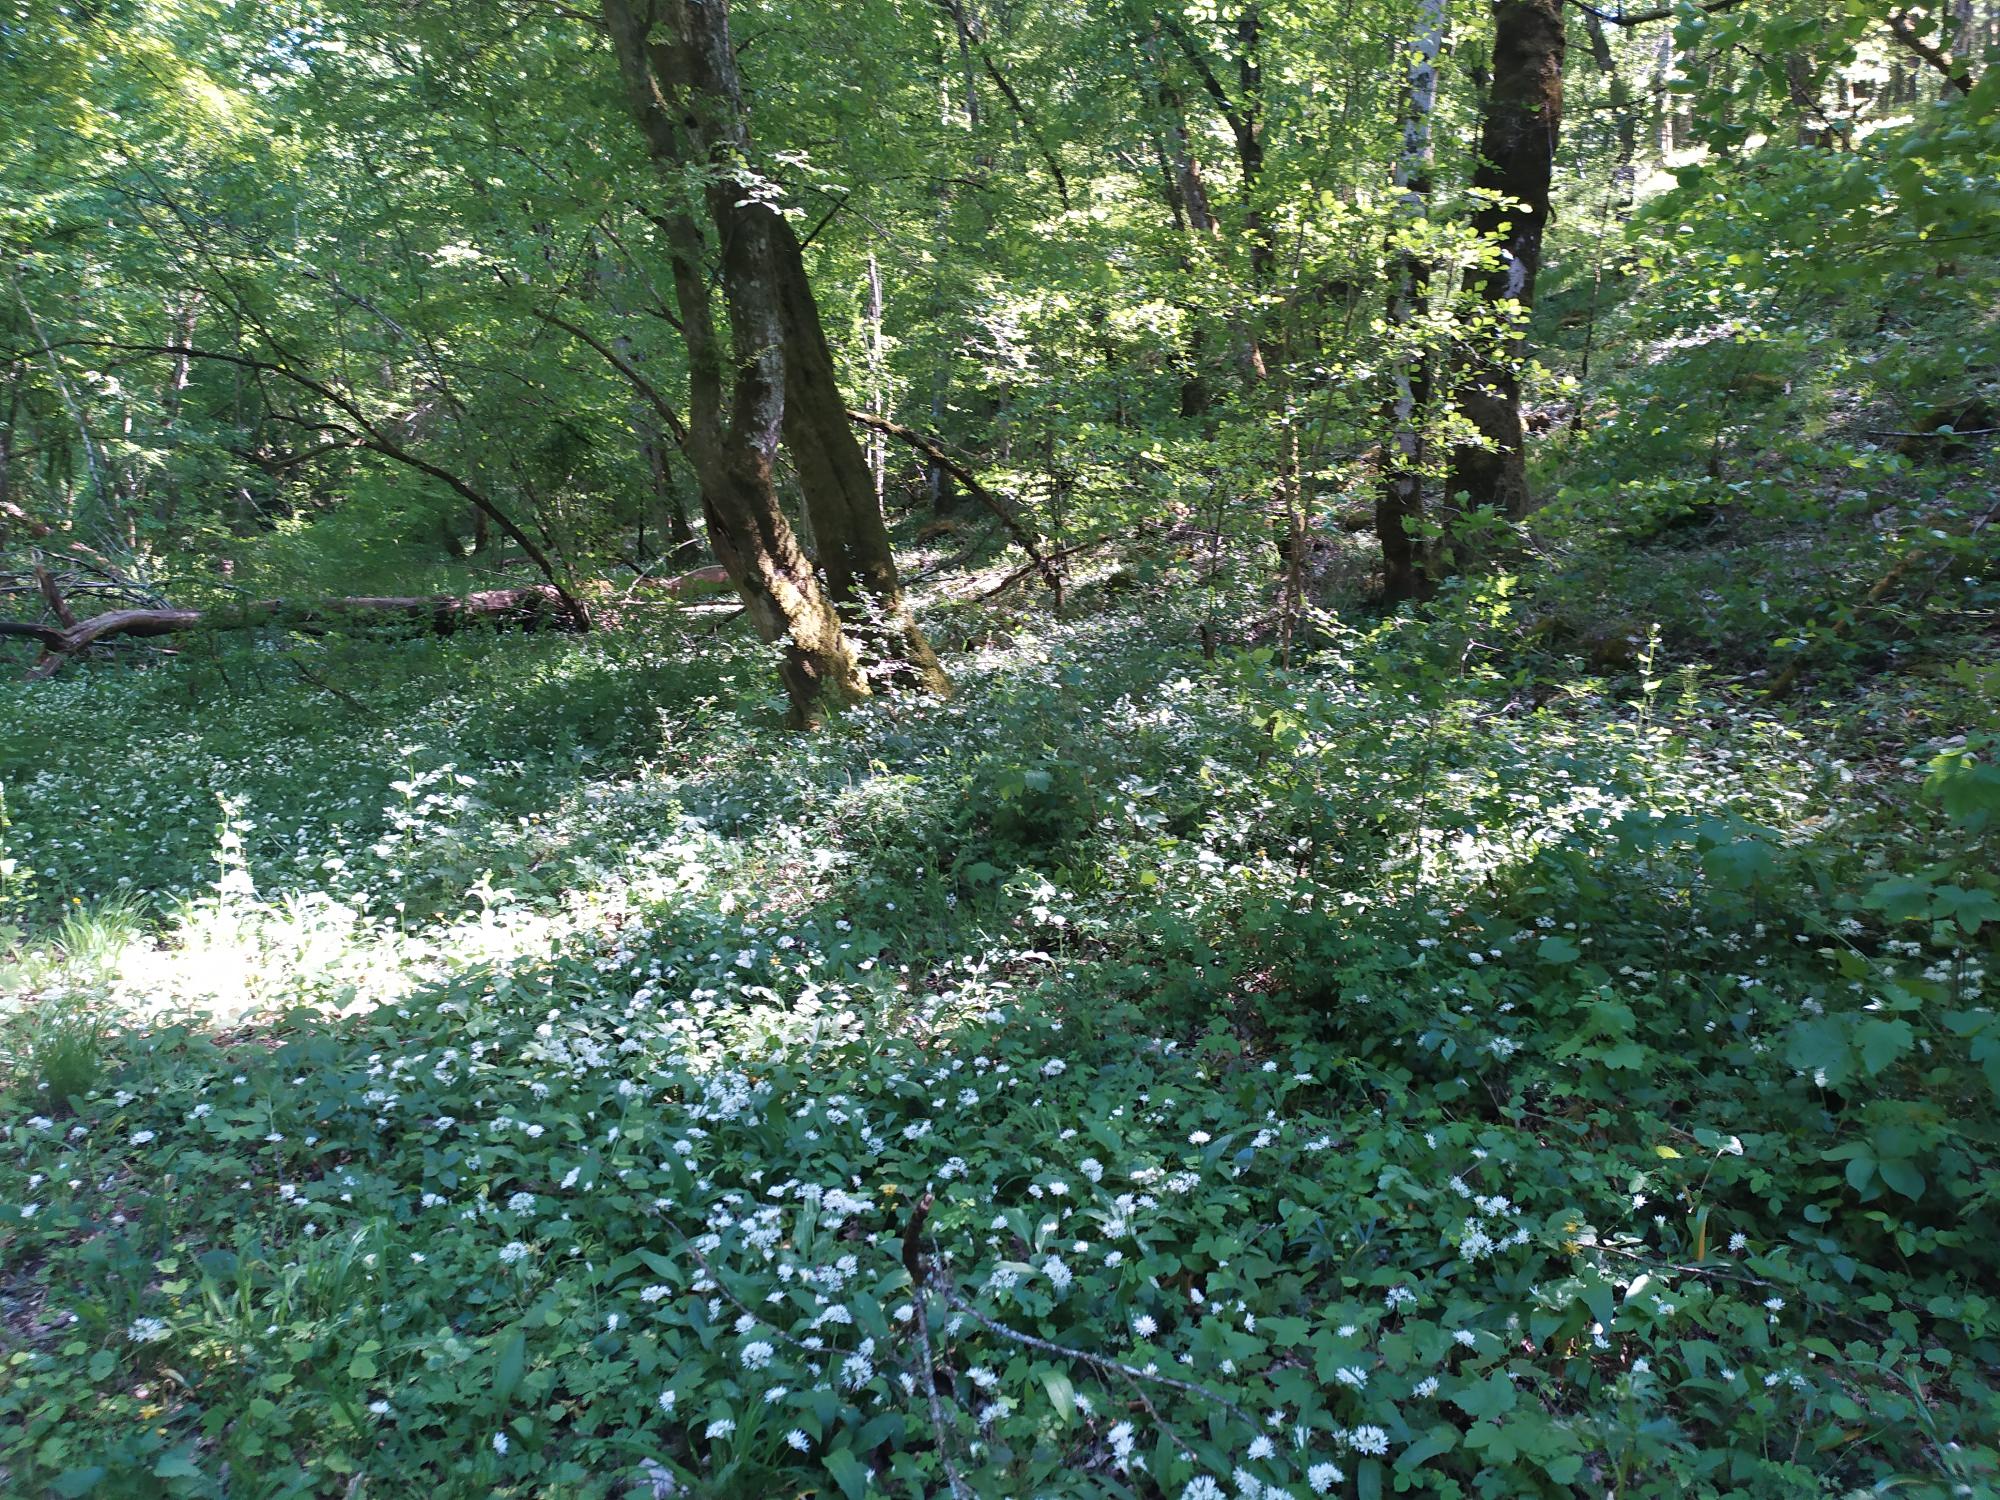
1802, 83
1664, 140
1186, 194
7, 431
653, 447
183, 323
878, 380
1517, 150
1248, 128
684, 95
839, 491
1401, 502
1243, 113
537, 606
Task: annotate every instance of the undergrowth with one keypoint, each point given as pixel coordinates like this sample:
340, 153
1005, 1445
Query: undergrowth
1379, 1075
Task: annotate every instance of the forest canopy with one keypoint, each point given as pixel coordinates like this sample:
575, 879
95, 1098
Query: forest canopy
999, 748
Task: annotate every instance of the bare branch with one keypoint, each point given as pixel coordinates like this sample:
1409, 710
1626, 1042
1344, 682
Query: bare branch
1647, 17
1956, 74
964, 476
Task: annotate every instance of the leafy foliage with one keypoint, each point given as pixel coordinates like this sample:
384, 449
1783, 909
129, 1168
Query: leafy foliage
1471, 1101
1247, 1041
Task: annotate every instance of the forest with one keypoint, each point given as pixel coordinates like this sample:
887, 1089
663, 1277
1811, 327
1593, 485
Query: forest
999, 749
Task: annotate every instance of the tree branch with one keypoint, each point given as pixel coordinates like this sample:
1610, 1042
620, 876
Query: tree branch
1206, 73
970, 35
1005, 514
441, 614
646, 389
372, 437
1955, 74
1647, 17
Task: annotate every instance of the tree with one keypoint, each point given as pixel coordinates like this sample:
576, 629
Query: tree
1400, 505
679, 67
1517, 148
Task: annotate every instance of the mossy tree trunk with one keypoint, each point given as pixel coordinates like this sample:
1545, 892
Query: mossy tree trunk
680, 76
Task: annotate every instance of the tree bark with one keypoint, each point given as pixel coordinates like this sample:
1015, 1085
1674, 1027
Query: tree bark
653, 448
684, 95
1186, 195
1950, 66
1401, 503
878, 379
1243, 113
1517, 149
839, 491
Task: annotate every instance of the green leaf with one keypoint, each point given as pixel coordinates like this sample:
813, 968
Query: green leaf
1439, 1439
848, 1472
176, 1466
73, 1482
1500, 1444
1284, 1332
508, 1365
1558, 950
1061, 1392
1971, 908
1485, 1398
1860, 1172
1968, 789
1564, 1468
1882, 1042
1901, 1176
1820, 1046
1368, 1479
1738, 866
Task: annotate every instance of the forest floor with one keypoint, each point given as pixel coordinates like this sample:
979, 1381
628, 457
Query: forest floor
516, 1066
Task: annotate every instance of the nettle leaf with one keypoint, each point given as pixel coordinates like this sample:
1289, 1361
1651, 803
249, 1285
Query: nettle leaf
1484, 1398
1881, 1042
1819, 1047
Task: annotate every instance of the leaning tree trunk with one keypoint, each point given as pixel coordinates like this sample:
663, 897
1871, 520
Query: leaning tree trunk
1517, 148
838, 487
684, 95
1400, 505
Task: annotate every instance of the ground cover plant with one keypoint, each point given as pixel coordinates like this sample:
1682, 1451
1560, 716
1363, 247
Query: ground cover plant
1592, 1117
993, 750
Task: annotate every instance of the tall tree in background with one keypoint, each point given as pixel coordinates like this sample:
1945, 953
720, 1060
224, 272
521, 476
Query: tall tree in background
1401, 500
1517, 148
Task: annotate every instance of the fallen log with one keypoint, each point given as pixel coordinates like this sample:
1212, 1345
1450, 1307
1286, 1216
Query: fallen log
537, 606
